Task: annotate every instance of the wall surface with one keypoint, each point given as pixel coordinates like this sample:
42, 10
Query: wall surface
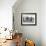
43, 22
29, 32
6, 13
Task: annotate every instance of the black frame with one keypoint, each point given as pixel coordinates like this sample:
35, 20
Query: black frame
29, 24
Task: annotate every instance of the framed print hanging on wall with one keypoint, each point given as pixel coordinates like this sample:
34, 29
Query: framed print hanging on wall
28, 18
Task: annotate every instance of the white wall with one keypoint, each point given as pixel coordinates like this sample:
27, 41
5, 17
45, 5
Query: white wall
6, 13
31, 32
43, 22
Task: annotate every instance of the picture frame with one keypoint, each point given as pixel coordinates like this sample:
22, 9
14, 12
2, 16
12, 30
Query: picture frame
29, 19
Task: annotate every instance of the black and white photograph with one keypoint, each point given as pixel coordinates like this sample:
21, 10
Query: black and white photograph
28, 18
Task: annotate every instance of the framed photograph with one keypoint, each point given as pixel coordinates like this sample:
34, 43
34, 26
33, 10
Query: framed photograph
28, 18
